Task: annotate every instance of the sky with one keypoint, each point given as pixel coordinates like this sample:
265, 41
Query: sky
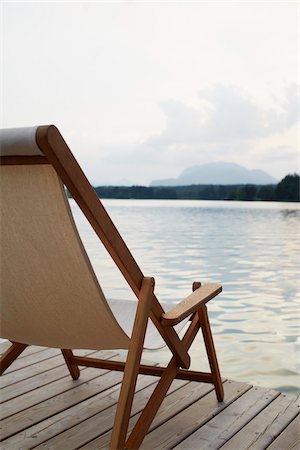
141, 90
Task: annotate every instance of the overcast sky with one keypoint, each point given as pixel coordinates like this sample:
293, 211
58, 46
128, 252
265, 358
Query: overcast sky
142, 90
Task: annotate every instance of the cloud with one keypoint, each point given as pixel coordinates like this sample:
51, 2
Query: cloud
226, 125
226, 115
278, 154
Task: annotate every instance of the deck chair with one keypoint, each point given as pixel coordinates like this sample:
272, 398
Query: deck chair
50, 295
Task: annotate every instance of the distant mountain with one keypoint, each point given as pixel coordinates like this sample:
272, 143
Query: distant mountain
221, 173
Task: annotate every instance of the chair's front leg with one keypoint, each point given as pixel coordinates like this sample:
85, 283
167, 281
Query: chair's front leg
132, 365
144, 421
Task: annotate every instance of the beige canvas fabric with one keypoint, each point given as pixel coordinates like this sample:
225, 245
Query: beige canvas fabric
19, 142
49, 292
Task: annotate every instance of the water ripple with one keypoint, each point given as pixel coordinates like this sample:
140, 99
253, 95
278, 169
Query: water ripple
251, 248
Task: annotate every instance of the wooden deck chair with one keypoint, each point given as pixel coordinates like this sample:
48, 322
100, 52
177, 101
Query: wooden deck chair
50, 295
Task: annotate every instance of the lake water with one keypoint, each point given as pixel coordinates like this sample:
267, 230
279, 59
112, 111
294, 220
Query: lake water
252, 249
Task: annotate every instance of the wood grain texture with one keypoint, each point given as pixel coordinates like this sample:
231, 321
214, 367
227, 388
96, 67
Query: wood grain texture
139, 402
145, 369
182, 425
4, 345
40, 366
289, 439
228, 422
72, 366
58, 396
22, 160
189, 416
211, 352
191, 304
84, 421
146, 418
131, 369
261, 431
19, 363
45, 373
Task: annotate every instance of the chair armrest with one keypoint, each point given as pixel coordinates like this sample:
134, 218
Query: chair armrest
191, 304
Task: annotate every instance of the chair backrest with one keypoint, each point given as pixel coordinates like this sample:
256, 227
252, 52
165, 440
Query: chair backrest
50, 295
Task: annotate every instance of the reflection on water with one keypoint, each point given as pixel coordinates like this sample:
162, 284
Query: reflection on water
251, 248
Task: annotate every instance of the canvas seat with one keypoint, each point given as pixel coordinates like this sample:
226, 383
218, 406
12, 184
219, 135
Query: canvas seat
50, 295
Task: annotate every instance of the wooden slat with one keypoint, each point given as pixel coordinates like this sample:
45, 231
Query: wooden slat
59, 397
101, 424
28, 351
180, 400
289, 439
221, 428
56, 428
189, 417
32, 370
4, 346
176, 400
267, 425
187, 421
92, 427
42, 379
31, 359
42, 393
39, 381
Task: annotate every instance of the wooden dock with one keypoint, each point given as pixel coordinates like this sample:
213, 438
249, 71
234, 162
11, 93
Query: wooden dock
42, 407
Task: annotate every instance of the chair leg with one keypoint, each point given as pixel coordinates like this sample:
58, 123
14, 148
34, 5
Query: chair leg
131, 370
149, 412
10, 355
73, 368
143, 423
211, 352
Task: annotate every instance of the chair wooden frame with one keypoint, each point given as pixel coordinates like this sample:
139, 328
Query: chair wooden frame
57, 153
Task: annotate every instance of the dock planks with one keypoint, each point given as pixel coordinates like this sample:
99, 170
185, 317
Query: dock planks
43, 408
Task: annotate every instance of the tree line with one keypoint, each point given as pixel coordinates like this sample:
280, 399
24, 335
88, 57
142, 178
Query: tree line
286, 190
